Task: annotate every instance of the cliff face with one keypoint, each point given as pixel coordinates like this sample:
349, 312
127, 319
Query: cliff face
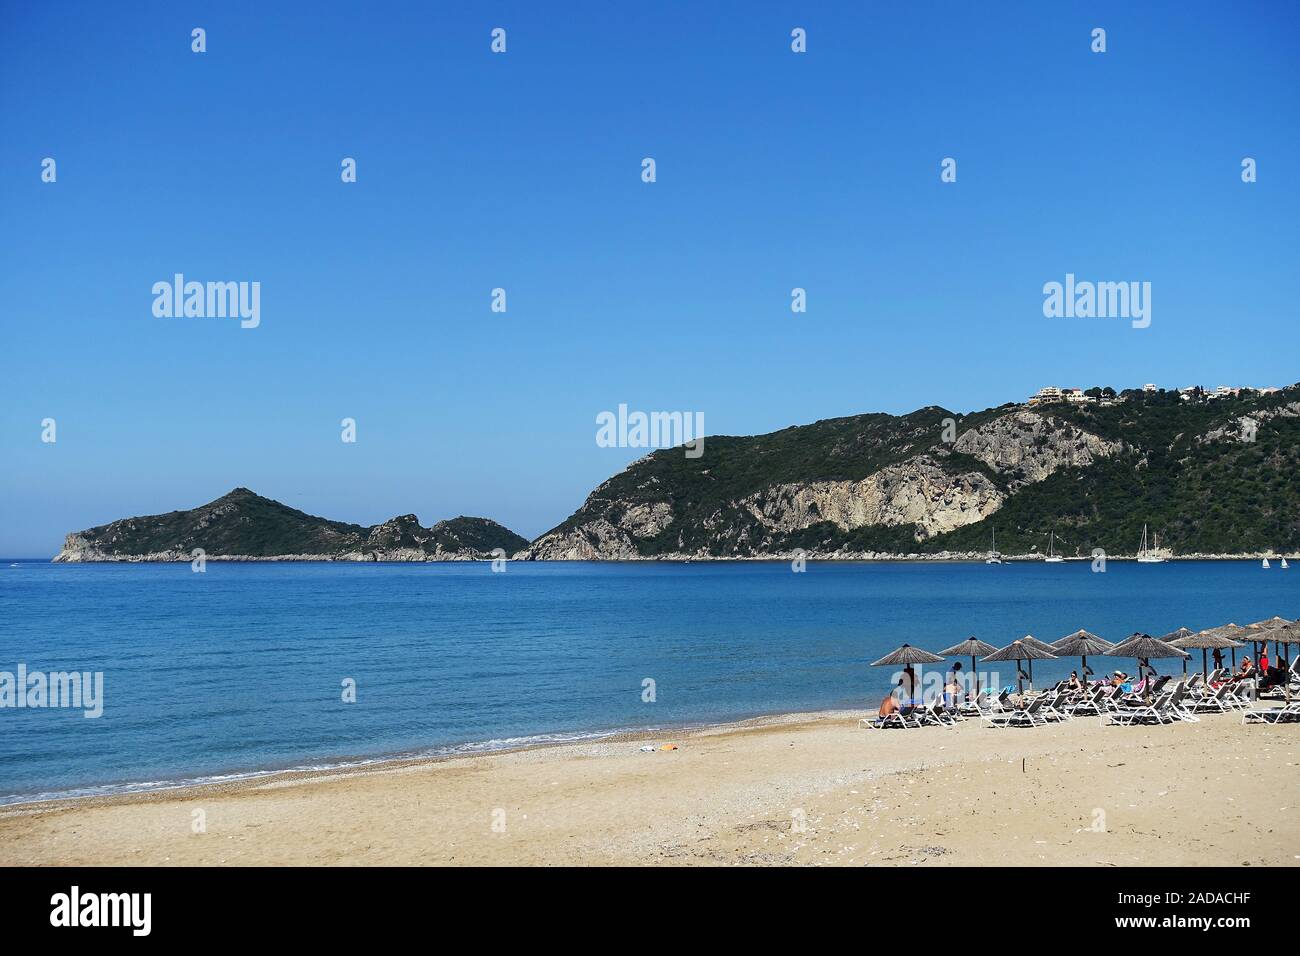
243, 526
934, 482
1026, 447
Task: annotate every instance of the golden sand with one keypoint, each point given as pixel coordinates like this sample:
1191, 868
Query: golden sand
809, 789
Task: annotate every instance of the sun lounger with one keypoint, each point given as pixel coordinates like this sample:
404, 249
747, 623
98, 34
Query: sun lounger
1157, 712
1029, 716
1290, 714
898, 720
1090, 706
1216, 703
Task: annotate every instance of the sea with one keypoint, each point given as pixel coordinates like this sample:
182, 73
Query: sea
252, 668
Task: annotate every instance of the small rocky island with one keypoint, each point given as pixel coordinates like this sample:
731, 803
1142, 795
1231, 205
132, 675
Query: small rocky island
243, 526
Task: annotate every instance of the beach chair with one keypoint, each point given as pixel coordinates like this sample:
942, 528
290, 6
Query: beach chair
898, 720
977, 705
1030, 716
1241, 695
1179, 704
1118, 701
1290, 714
1000, 704
1159, 686
1090, 706
935, 714
1055, 709
1215, 703
1156, 712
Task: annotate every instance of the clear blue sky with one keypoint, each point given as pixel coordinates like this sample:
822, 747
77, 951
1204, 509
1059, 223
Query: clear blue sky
522, 170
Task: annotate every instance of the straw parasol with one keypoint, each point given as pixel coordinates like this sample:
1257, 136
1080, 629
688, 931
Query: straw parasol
1205, 640
905, 655
1236, 632
1175, 636
1080, 644
1020, 651
1032, 641
1270, 624
972, 648
1144, 647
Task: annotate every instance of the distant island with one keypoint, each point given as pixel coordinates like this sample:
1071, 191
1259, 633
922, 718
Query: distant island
243, 526
1212, 473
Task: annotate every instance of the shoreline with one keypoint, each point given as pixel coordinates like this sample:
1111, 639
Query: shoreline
357, 763
380, 763
787, 789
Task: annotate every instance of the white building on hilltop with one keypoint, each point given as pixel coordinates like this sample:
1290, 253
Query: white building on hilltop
1050, 393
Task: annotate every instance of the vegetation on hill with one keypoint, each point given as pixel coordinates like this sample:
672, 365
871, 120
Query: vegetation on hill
246, 524
1184, 470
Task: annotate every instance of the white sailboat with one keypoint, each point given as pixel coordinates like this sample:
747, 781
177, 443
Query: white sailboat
1052, 556
1284, 564
1149, 555
994, 557
1265, 562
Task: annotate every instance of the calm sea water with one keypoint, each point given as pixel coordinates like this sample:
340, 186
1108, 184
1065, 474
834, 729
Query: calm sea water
239, 669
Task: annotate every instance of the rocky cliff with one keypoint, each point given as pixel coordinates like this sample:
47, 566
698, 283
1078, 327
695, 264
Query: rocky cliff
935, 482
243, 526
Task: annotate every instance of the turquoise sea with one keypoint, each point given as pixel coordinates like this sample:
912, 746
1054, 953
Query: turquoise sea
241, 669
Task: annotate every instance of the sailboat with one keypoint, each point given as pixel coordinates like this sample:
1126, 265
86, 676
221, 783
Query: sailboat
994, 557
1149, 555
1284, 564
1052, 556
1266, 562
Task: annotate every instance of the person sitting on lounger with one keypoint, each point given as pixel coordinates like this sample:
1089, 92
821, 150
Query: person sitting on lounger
1245, 676
1073, 684
889, 705
1118, 679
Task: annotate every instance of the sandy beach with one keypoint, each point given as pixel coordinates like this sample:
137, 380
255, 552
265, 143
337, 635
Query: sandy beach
806, 789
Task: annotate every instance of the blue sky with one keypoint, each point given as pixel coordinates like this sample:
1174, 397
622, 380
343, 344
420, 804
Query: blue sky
522, 171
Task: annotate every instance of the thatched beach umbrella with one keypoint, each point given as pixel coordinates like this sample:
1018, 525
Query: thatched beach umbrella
905, 655
1236, 632
1270, 624
972, 648
1020, 651
1176, 636
1080, 644
1205, 640
1142, 648
1032, 641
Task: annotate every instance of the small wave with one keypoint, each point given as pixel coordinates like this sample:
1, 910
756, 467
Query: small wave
180, 783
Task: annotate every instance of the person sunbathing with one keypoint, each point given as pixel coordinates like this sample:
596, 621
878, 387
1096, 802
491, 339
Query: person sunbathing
1118, 679
1073, 683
